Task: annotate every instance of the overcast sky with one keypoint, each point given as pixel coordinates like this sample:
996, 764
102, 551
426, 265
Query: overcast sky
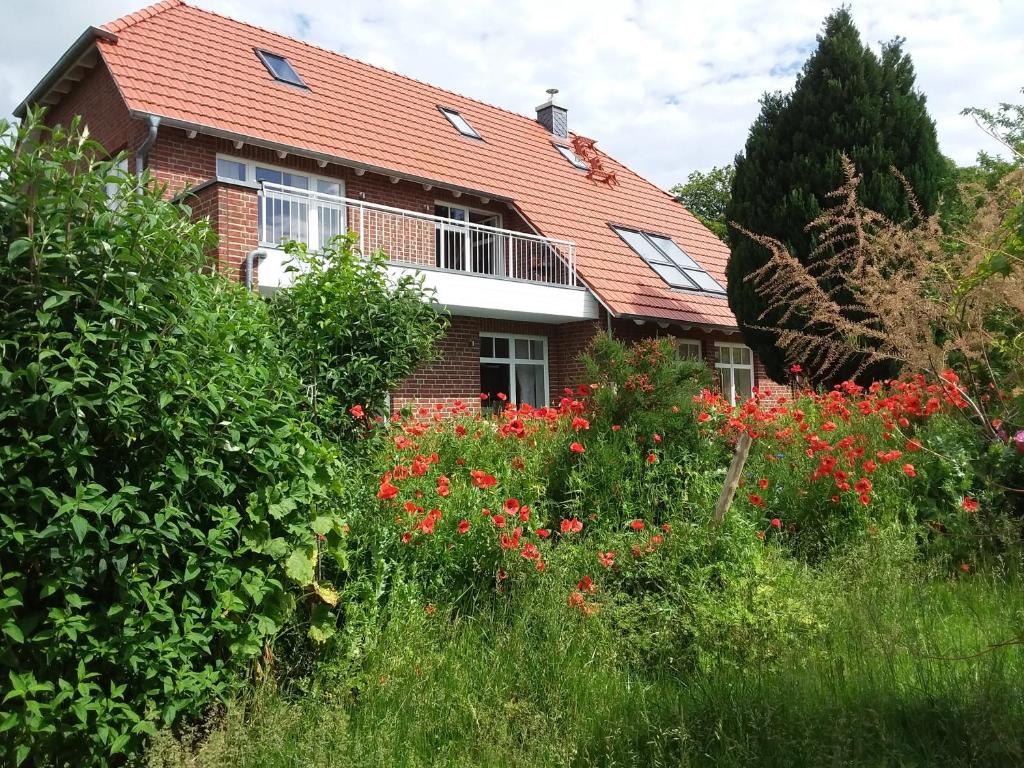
666, 86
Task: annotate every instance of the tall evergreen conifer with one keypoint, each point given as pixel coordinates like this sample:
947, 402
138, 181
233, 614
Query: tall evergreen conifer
847, 100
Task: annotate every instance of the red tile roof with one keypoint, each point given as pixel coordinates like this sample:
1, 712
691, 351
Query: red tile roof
197, 67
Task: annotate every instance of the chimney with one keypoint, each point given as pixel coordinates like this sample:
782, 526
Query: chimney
553, 116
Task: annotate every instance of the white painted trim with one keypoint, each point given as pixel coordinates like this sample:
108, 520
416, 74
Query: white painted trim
512, 359
466, 293
250, 173
732, 367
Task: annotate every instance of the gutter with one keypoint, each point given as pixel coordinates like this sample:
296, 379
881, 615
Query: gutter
78, 49
142, 153
312, 155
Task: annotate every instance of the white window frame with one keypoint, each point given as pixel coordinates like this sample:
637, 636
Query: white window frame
730, 395
457, 227
700, 348
511, 362
312, 228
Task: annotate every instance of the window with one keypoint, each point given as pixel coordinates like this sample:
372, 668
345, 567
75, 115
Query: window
516, 366
113, 184
735, 365
571, 156
280, 68
292, 206
231, 169
460, 123
454, 241
689, 349
671, 262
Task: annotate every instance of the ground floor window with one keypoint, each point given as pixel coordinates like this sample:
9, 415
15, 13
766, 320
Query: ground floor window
689, 349
735, 366
516, 366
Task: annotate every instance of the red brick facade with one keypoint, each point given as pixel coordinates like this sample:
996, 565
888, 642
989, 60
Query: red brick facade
180, 163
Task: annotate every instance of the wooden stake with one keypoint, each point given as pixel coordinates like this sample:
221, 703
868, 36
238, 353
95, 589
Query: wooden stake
732, 479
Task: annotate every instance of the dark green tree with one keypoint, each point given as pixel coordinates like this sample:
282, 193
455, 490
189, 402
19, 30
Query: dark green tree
706, 196
847, 100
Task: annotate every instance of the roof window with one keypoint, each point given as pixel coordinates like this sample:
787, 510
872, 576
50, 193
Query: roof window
280, 68
671, 262
460, 123
572, 157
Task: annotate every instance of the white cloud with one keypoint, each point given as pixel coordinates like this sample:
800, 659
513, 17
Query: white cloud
666, 87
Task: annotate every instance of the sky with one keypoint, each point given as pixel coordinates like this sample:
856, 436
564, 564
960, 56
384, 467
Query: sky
665, 86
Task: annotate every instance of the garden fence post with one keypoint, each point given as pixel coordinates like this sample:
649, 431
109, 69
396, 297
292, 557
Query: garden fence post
732, 478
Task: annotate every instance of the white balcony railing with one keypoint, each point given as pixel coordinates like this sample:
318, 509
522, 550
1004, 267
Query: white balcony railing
411, 238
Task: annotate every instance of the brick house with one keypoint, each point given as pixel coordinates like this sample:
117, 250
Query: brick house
533, 239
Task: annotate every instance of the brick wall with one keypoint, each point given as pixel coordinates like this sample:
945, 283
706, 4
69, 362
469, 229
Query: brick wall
629, 331
102, 109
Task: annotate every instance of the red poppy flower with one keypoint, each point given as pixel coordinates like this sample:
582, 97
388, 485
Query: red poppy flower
657, 437
577, 448
702, 417
430, 609
499, 521
652, 458
387, 489
543, 532
865, 499
357, 411
971, 504
483, 396
502, 396
616, 427
870, 466
909, 471
795, 369
776, 523
406, 537
463, 526
756, 500
578, 423
573, 525
763, 483
481, 479
586, 585
511, 506
530, 551
576, 600
863, 485
965, 567
637, 525
607, 559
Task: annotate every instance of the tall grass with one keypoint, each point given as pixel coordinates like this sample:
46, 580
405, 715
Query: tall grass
902, 675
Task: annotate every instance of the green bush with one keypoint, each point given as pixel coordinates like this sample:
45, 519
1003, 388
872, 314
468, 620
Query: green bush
159, 483
352, 333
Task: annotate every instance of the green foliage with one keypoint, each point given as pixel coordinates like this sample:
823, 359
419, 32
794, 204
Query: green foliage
847, 100
352, 333
158, 478
706, 196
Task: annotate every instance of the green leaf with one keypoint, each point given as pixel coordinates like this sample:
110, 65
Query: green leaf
80, 526
300, 566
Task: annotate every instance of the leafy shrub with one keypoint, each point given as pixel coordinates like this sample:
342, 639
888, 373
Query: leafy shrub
352, 333
160, 484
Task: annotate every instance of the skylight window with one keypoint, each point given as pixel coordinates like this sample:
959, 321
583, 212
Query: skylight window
280, 68
460, 123
572, 157
671, 262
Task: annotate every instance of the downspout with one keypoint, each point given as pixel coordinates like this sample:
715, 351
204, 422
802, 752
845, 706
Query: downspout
250, 262
142, 153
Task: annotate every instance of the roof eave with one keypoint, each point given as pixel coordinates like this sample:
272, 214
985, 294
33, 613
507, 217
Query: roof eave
724, 328
71, 57
220, 133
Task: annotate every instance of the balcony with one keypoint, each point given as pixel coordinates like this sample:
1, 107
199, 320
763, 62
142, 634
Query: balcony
414, 239
475, 269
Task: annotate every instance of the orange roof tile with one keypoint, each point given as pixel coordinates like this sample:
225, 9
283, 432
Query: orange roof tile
198, 67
